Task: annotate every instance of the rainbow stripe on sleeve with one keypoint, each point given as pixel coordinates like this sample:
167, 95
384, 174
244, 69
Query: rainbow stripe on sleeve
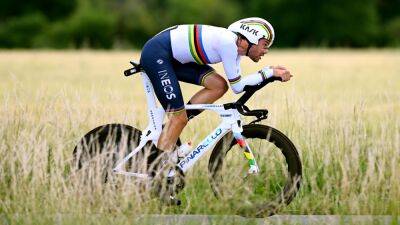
196, 45
235, 80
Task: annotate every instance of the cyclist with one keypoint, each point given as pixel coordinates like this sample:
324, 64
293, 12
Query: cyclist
183, 52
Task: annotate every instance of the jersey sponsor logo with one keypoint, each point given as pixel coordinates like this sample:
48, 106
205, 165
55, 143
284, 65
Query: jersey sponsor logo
200, 148
166, 83
247, 28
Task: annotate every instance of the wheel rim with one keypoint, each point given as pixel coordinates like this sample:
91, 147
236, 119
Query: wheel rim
275, 185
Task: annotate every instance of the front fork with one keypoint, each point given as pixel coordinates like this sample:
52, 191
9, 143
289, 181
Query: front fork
241, 141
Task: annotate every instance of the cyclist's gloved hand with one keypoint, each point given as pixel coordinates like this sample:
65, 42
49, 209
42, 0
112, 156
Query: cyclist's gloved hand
282, 72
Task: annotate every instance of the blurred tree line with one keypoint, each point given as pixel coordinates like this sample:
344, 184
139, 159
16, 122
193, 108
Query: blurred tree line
129, 23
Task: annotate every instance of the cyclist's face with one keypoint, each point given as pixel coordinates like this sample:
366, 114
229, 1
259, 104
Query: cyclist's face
242, 46
257, 51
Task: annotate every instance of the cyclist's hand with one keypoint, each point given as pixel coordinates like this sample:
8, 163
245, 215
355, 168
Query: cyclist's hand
282, 72
278, 67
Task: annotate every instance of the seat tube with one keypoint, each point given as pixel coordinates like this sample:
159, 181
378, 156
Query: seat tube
149, 91
155, 114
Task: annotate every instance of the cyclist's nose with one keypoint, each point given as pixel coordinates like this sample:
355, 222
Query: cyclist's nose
263, 52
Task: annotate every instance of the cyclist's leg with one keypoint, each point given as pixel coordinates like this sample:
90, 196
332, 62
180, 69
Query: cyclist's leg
156, 60
171, 99
214, 88
214, 85
172, 129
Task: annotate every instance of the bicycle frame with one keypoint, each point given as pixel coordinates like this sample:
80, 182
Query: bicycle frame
231, 121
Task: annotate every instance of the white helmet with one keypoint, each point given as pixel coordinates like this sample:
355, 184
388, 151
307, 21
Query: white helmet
253, 29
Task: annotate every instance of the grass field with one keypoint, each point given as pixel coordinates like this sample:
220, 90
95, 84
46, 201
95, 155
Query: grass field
341, 109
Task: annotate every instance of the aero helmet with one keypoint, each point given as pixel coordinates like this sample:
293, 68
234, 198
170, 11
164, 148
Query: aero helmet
253, 29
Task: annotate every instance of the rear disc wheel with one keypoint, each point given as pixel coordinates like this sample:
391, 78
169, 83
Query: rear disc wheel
98, 151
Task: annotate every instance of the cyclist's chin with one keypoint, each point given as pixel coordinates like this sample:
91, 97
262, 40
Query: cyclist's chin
255, 59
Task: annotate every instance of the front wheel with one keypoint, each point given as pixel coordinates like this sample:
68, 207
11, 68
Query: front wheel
260, 194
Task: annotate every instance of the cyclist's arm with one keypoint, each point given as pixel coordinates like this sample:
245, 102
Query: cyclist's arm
251, 79
231, 63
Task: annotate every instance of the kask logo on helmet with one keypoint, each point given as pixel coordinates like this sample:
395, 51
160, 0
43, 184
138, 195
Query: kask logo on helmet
253, 29
247, 28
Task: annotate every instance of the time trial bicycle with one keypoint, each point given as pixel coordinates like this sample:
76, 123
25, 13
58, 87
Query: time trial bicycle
265, 179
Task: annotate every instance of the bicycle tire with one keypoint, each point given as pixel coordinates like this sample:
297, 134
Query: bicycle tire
290, 155
105, 145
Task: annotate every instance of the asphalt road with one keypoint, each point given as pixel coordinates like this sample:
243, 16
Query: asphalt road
277, 219
67, 218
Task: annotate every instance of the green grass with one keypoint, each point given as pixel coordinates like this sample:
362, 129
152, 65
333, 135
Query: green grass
341, 110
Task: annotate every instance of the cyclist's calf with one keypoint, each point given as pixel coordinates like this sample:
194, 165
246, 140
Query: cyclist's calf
172, 130
179, 119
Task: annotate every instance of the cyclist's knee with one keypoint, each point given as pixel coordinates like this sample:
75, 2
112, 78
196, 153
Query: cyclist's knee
221, 85
217, 83
224, 87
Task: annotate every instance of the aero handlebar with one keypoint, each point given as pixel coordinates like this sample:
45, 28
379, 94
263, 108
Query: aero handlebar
250, 90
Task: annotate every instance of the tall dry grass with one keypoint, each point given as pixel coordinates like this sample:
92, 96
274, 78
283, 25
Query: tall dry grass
341, 109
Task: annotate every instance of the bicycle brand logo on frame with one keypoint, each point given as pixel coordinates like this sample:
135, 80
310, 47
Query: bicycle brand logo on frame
200, 148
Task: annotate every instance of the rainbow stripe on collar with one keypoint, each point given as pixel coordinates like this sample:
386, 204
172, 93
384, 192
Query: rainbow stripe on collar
196, 45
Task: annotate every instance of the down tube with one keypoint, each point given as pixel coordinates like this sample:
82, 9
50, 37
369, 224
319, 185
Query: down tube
189, 160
